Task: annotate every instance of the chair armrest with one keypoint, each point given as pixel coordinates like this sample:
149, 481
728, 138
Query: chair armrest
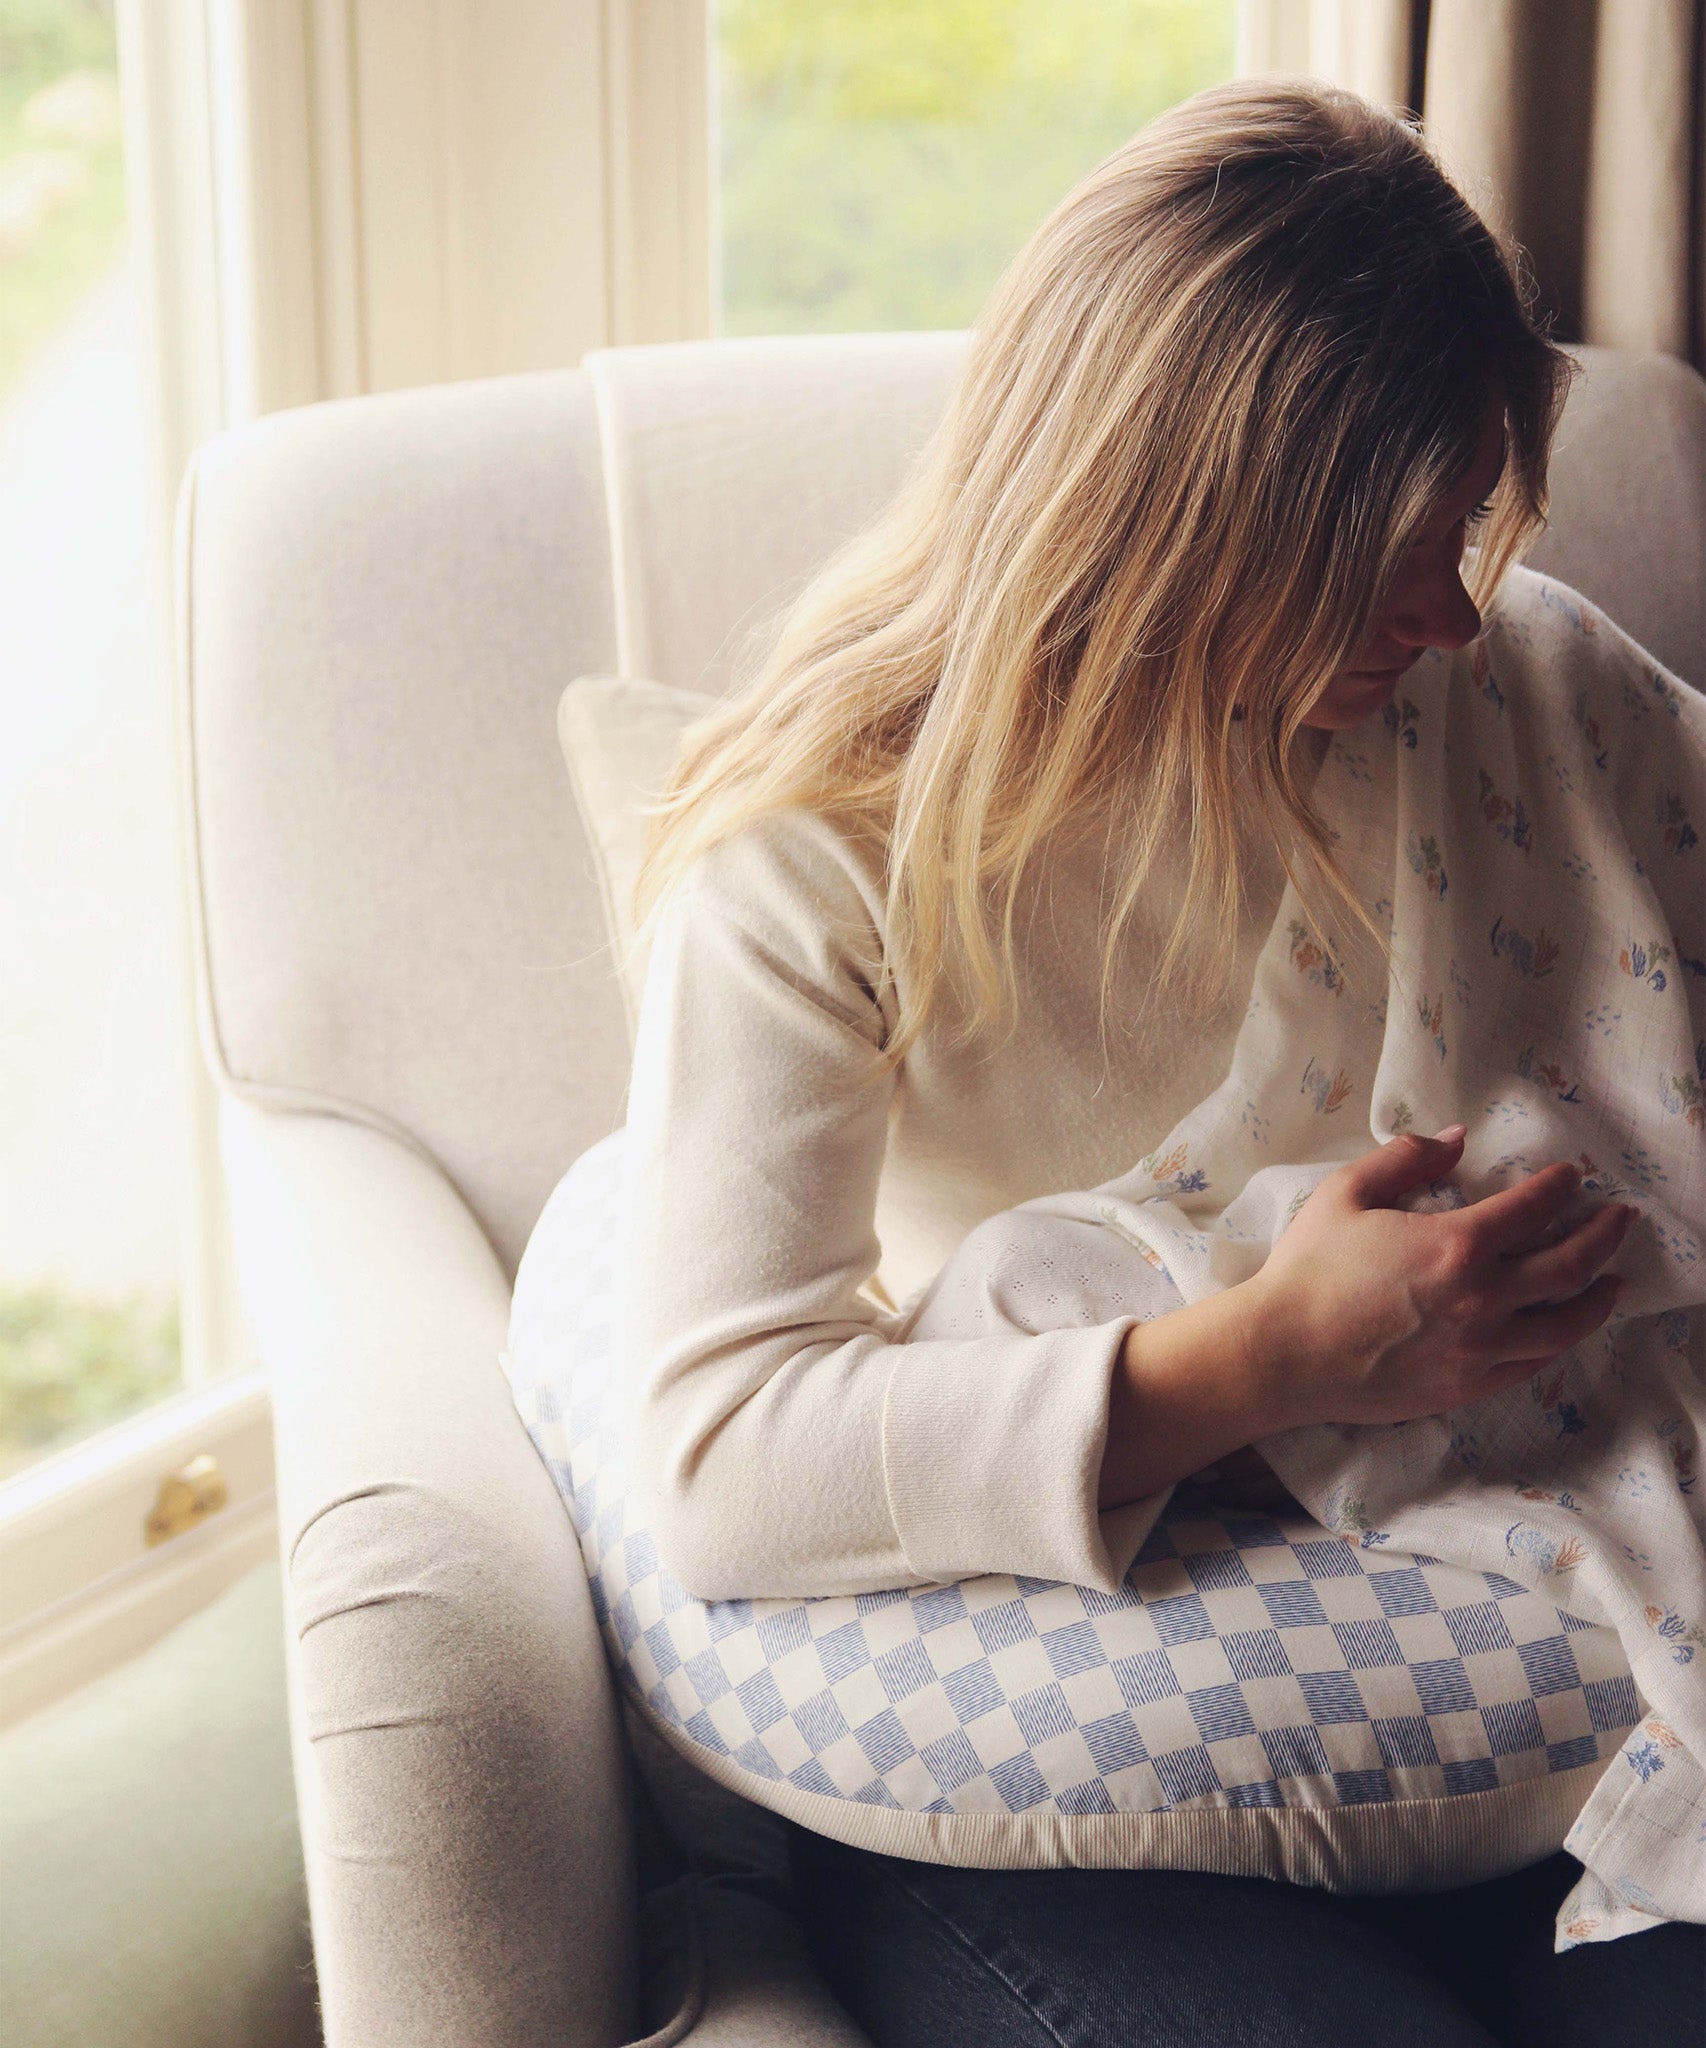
461, 1775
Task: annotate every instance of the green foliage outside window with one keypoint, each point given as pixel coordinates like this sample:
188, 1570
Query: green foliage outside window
882, 160
69, 1366
62, 204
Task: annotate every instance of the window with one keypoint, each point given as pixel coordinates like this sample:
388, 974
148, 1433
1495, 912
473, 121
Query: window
881, 160
93, 1060
122, 1356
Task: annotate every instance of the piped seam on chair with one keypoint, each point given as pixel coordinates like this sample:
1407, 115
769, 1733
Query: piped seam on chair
632, 656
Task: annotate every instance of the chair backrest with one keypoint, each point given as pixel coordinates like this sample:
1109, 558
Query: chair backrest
1628, 523
736, 468
380, 602
382, 599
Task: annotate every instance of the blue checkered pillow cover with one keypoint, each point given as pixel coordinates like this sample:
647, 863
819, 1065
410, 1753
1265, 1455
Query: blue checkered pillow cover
1260, 1696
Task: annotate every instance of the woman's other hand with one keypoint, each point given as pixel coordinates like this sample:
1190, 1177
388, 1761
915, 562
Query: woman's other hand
1367, 1313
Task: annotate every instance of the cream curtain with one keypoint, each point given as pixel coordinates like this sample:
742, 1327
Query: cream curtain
1579, 125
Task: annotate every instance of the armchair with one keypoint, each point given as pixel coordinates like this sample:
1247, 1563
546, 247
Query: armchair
409, 1007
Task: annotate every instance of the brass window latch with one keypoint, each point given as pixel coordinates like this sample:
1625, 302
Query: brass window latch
186, 1498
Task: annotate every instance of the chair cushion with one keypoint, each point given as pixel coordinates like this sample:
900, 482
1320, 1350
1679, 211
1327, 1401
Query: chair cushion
620, 738
1259, 1697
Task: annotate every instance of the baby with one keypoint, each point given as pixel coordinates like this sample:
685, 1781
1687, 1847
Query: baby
1027, 1270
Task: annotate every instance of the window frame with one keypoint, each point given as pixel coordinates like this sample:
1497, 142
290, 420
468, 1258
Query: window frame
80, 1589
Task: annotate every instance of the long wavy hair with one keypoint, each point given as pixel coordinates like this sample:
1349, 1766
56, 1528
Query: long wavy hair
1204, 412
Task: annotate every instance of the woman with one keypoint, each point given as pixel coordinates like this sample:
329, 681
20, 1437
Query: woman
959, 905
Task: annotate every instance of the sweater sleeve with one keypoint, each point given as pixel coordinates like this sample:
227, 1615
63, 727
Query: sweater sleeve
788, 1447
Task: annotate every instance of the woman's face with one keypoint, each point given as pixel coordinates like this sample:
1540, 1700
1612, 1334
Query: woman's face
1427, 605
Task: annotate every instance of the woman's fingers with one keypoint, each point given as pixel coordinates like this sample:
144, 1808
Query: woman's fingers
1537, 1334
1380, 1177
1506, 1222
1558, 1271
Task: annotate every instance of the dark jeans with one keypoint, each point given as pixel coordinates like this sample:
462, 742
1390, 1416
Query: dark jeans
927, 1957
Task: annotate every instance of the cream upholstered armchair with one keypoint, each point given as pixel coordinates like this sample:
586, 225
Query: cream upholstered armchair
410, 1008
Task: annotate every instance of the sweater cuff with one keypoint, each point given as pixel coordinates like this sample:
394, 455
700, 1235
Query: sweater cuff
992, 1457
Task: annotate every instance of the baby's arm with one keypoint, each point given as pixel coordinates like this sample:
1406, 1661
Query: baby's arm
1028, 1270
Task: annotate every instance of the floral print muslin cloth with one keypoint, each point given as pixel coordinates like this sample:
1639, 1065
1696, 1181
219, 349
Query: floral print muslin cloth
1524, 822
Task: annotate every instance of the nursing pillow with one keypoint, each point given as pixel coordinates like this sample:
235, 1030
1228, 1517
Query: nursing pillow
1260, 1697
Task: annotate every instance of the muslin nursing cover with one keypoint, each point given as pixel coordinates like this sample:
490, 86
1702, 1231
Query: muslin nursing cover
1522, 821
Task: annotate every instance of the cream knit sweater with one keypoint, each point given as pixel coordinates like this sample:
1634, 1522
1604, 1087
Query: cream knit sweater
777, 1164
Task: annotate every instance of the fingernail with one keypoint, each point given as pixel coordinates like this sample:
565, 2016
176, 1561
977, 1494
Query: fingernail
1451, 1134
1627, 1213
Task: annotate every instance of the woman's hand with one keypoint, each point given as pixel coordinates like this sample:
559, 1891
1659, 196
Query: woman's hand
1366, 1313
1363, 1313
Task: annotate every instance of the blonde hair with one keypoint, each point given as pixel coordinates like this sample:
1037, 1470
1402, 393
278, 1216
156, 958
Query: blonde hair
1203, 413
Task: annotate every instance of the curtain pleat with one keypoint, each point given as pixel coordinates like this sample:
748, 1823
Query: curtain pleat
1643, 156
1508, 106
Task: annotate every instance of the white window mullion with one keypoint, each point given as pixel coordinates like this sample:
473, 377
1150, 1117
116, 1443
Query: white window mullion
418, 190
337, 219
659, 171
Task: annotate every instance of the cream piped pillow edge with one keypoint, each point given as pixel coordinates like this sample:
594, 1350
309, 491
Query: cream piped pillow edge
620, 736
